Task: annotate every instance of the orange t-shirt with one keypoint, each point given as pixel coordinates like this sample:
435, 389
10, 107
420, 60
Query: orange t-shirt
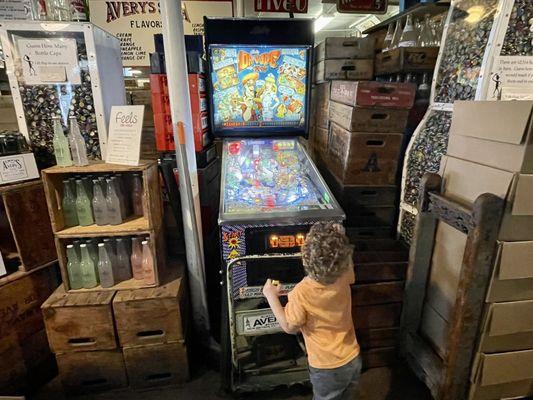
324, 315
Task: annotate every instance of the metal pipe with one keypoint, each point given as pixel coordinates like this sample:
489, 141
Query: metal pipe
180, 104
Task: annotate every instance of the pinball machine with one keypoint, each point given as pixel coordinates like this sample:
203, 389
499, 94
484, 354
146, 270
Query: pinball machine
271, 192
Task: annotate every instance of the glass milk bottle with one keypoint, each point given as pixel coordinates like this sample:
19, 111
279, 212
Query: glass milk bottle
105, 268
123, 264
113, 204
68, 204
148, 263
137, 258
99, 204
88, 271
78, 148
73, 268
60, 142
83, 205
137, 195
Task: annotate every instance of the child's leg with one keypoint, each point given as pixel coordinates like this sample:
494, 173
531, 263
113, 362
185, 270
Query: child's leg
352, 390
337, 383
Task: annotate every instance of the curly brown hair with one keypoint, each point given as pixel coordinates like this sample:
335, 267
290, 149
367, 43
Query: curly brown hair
325, 252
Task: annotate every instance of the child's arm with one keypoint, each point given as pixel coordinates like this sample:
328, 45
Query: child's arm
272, 293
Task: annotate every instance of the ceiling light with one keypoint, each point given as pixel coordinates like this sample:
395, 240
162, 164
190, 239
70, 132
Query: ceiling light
475, 14
321, 22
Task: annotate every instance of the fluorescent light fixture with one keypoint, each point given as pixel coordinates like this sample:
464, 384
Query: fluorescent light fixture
321, 22
135, 72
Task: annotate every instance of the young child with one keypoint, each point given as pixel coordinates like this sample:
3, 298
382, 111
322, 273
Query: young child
320, 307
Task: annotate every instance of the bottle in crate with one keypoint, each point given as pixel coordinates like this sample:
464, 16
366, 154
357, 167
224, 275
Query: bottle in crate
77, 144
68, 204
122, 267
105, 268
73, 267
87, 267
83, 205
113, 204
60, 143
137, 258
137, 195
99, 204
147, 263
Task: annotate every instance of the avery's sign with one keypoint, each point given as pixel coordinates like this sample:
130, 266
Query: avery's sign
362, 6
294, 6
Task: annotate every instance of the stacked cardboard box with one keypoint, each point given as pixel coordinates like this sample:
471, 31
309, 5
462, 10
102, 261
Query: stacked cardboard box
103, 340
491, 154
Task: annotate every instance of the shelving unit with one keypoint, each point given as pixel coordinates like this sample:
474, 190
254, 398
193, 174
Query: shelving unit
149, 225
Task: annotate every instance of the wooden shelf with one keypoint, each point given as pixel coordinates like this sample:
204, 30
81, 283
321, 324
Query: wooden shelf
95, 167
124, 285
133, 226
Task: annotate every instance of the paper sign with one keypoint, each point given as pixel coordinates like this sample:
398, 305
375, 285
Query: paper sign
19, 167
15, 9
49, 61
124, 139
511, 78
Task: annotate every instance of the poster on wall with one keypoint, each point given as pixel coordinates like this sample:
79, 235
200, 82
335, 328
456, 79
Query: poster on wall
135, 23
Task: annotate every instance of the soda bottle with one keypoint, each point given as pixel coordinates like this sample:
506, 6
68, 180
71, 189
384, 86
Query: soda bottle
117, 184
114, 216
77, 144
60, 142
73, 268
409, 36
83, 205
397, 35
148, 263
137, 258
388, 38
68, 204
105, 267
123, 264
137, 195
99, 204
88, 271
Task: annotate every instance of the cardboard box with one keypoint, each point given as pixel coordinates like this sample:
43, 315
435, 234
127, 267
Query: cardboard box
513, 275
374, 94
359, 119
501, 137
464, 181
363, 158
340, 47
502, 375
344, 69
508, 327
18, 168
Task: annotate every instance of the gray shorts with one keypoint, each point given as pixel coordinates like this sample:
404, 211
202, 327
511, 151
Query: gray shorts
338, 383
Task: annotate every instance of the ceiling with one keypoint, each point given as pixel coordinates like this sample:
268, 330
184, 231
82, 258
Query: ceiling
340, 25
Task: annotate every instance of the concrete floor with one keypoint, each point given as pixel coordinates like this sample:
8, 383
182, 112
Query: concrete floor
376, 384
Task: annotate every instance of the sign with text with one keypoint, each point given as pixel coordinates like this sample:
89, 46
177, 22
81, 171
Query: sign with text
18, 167
511, 78
135, 23
362, 6
288, 6
125, 131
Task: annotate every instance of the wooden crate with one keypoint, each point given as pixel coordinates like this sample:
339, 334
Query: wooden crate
79, 321
380, 260
377, 316
379, 337
157, 365
89, 371
406, 59
152, 203
25, 232
149, 225
380, 357
366, 294
154, 315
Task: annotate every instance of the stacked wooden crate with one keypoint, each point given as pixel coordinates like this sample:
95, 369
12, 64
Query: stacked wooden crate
105, 340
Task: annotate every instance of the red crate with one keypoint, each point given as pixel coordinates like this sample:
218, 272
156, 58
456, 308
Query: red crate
160, 103
159, 83
196, 84
373, 94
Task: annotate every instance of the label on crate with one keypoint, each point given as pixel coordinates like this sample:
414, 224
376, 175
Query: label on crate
125, 131
49, 61
262, 322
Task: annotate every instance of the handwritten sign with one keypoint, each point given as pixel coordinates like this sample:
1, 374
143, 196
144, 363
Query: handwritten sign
125, 130
511, 78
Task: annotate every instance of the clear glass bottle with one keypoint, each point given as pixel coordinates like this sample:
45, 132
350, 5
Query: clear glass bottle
123, 265
117, 184
409, 36
68, 204
105, 267
397, 35
388, 38
78, 148
77, 244
148, 264
137, 195
92, 245
426, 39
60, 143
73, 268
99, 204
114, 216
137, 258
83, 205
88, 269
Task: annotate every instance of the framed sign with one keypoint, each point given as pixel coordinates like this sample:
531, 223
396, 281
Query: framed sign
288, 6
362, 6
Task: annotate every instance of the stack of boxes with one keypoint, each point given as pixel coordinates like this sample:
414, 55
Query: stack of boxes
491, 154
105, 340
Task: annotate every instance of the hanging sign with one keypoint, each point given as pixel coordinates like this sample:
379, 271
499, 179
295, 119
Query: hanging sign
288, 6
135, 23
362, 6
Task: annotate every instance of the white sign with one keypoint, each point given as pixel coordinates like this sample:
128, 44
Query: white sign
49, 61
19, 167
135, 23
511, 78
124, 139
262, 322
10, 10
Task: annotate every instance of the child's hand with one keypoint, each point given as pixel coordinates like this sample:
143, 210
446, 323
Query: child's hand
270, 290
